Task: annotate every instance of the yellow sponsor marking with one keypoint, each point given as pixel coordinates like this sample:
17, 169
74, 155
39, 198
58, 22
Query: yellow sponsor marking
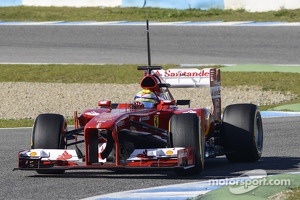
156, 120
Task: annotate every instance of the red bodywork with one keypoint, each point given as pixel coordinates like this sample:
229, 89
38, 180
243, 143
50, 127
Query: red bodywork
118, 119
111, 128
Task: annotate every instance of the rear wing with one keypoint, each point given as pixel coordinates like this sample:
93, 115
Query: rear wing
199, 78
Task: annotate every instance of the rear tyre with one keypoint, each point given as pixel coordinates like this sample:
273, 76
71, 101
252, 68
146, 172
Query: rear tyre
48, 133
186, 132
243, 133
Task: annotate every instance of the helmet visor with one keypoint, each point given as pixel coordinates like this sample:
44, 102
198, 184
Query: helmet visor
148, 104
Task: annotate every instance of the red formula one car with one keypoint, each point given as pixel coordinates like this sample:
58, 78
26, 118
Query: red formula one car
159, 136
150, 133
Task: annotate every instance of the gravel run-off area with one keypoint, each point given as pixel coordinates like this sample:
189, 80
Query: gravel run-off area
21, 100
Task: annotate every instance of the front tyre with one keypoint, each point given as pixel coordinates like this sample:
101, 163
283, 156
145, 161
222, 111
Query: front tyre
186, 132
48, 133
243, 133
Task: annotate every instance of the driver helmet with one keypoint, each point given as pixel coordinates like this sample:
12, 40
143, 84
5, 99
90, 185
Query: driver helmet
147, 98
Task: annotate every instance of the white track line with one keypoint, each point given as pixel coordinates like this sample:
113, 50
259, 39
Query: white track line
126, 23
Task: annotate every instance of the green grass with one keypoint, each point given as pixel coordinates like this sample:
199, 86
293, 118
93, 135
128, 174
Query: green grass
70, 73
21, 13
13, 123
276, 81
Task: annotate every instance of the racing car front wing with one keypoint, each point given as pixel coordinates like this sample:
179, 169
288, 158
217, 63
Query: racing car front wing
67, 159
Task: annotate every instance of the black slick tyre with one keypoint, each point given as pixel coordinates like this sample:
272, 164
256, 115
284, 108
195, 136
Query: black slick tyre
186, 132
243, 133
48, 133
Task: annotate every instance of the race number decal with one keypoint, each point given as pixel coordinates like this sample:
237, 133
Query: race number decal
156, 121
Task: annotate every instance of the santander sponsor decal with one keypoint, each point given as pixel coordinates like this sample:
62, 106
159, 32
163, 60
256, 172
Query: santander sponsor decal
183, 73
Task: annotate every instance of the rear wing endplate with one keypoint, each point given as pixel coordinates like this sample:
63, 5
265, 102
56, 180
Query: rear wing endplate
195, 78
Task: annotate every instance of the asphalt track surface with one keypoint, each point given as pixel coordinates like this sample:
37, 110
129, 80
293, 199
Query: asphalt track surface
119, 44
280, 155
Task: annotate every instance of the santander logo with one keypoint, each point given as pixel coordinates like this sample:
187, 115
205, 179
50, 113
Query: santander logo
183, 73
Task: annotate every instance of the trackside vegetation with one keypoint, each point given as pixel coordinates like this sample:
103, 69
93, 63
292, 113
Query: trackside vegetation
22, 13
283, 82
